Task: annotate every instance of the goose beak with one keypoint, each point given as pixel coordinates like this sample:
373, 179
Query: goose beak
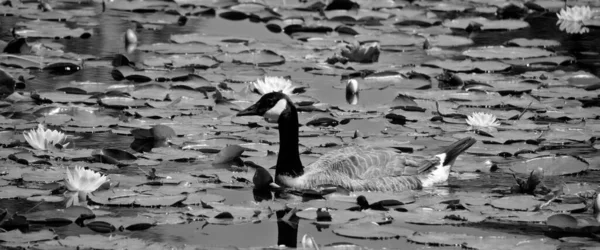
252, 110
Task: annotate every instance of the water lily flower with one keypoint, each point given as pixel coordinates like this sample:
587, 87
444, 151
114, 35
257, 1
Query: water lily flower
575, 13
131, 41
44, 139
308, 242
365, 53
83, 181
352, 87
482, 120
273, 84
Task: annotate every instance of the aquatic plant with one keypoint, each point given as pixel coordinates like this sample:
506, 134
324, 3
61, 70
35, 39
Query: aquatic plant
570, 19
575, 13
352, 87
272, 84
44, 139
83, 181
308, 242
480, 120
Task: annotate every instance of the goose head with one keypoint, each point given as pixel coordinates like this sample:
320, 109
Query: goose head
272, 106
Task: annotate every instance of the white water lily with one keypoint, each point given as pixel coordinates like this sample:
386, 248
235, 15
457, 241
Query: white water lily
270, 84
351, 87
82, 181
482, 120
44, 139
575, 13
308, 242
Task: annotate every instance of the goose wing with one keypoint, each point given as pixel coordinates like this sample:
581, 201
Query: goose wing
364, 162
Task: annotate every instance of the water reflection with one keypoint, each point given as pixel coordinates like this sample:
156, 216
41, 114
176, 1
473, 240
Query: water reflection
287, 228
130, 48
572, 27
146, 145
262, 194
352, 98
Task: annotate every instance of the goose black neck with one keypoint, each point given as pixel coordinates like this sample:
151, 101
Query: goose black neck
288, 161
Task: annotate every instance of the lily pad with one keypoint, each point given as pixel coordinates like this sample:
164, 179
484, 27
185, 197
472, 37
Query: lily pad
468, 65
11, 192
486, 24
372, 231
501, 52
517, 203
524, 42
16, 236
253, 57
551, 165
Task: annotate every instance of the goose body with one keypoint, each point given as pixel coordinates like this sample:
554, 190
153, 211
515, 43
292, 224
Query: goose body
357, 168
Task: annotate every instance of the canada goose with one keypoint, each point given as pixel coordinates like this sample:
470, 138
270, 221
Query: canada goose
356, 168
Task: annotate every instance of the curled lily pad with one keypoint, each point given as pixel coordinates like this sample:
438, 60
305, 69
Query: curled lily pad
562, 221
228, 154
372, 231
101, 227
137, 223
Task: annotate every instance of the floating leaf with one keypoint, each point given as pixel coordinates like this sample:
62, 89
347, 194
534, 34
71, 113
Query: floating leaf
486, 24
228, 154
551, 165
200, 197
501, 52
253, 57
524, 42
174, 48
518, 203
17, 236
69, 214
11, 192
46, 29
372, 231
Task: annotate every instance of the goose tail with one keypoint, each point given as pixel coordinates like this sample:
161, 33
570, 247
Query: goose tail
440, 171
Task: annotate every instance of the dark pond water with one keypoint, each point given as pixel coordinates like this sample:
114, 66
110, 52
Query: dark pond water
106, 42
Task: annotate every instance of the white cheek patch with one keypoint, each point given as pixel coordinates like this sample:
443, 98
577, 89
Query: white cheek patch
272, 115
